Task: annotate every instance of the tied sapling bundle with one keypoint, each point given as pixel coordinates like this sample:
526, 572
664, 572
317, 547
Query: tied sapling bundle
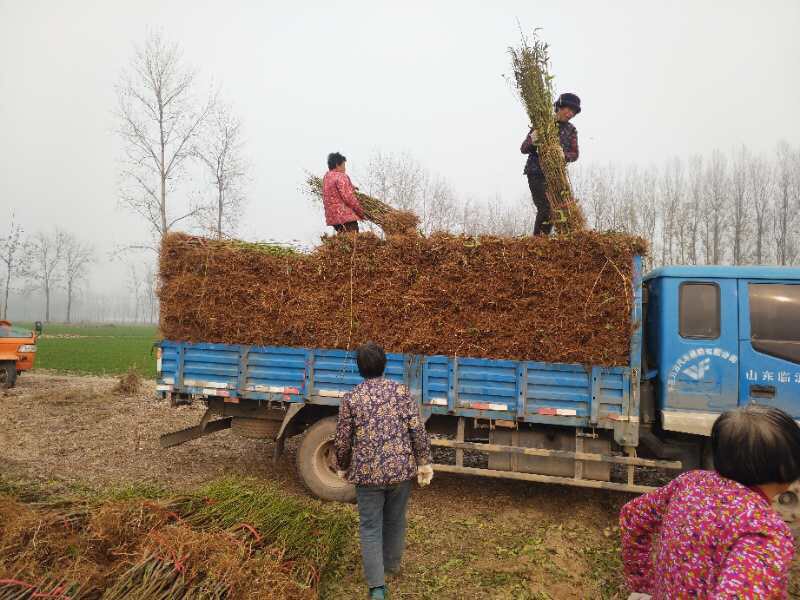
391, 220
530, 63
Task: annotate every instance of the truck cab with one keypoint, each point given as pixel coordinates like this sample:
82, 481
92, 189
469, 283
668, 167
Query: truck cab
17, 352
718, 337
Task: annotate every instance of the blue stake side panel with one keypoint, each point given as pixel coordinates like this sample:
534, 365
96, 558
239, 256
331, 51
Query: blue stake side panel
560, 394
264, 372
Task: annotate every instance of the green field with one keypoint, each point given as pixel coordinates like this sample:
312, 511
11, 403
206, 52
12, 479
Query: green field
96, 349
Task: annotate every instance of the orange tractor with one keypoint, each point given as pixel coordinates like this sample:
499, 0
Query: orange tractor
17, 352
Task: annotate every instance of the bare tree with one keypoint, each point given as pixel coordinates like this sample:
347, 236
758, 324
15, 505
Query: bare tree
672, 193
694, 207
14, 257
648, 205
77, 257
135, 284
150, 295
760, 180
220, 151
788, 182
46, 255
159, 121
740, 196
404, 183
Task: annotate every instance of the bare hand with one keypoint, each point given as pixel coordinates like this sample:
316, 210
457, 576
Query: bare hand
561, 153
534, 136
424, 475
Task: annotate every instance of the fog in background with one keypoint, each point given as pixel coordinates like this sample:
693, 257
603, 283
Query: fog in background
657, 80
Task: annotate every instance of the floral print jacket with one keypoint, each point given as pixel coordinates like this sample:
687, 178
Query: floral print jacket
567, 135
380, 436
339, 199
715, 539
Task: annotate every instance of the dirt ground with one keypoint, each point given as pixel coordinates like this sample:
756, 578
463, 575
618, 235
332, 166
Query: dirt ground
468, 537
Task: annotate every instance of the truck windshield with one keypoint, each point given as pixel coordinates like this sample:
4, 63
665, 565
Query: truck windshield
13, 332
775, 319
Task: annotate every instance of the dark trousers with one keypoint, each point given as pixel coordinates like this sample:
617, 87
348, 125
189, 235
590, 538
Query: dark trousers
349, 226
382, 528
543, 226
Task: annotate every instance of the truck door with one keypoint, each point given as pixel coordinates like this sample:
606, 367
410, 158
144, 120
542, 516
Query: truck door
769, 344
699, 352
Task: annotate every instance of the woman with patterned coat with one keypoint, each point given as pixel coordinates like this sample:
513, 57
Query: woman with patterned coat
381, 445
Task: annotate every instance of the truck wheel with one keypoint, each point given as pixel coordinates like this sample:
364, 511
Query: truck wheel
8, 375
316, 463
255, 428
787, 505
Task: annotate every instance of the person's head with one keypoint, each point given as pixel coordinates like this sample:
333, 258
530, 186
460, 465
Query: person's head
336, 162
567, 106
756, 445
371, 360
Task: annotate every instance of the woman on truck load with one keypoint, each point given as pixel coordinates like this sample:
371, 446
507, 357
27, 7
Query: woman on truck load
567, 106
342, 207
381, 445
718, 536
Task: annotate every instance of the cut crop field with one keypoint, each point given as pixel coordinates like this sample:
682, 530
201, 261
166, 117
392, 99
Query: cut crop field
97, 349
468, 538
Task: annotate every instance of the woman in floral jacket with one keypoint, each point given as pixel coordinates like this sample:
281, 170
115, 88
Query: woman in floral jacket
717, 534
381, 445
342, 208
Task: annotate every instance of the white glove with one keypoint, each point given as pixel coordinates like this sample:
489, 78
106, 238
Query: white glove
534, 136
342, 475
561, 153
424, 475
639, 596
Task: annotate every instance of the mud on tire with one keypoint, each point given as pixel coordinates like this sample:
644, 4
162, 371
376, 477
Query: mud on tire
255, 428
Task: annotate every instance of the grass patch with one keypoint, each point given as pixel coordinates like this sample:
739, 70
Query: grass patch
97, 349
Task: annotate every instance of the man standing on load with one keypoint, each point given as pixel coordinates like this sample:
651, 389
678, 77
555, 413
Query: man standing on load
342, 208
567, 106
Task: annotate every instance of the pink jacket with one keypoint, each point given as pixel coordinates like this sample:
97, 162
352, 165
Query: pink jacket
714, 538
339, 199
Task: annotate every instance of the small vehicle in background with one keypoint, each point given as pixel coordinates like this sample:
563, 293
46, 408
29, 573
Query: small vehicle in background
17, 351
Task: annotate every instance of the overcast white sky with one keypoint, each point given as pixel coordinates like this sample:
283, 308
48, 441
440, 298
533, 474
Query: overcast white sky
656, 78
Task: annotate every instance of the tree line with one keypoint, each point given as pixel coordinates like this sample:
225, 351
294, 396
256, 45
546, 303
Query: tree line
726, 208
54, 267
44, 262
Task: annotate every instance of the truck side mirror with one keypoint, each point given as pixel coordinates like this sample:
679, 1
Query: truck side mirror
38, 327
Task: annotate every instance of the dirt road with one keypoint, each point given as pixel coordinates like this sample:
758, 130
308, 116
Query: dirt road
468, 537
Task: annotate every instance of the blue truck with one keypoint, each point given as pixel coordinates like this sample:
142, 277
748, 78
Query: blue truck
704, 339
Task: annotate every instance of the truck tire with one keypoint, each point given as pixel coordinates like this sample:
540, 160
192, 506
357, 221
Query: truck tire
787, 505
255, 428
316, 463
8, 374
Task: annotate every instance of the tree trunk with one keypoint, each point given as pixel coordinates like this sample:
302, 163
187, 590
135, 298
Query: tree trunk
220, 201
8, 285
69, 302
47, 303
163, 169
759, 237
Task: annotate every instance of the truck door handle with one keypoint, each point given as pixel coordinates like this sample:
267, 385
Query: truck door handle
762, 391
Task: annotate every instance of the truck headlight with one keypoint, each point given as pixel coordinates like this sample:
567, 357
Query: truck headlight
27, 348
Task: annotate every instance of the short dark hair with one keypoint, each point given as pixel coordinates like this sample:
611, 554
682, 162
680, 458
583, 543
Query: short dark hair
371, 360
755, 445
334, 160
